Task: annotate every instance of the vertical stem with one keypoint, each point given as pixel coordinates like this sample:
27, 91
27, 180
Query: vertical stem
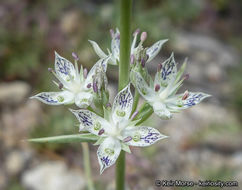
87, 166
125, 34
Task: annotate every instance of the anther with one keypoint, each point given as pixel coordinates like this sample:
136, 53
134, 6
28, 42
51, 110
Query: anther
89, 85
61, 85
101, 132
85, 73
157, 87
159, 67
185, 95
50, 70
143, 36
108, 105
111, 33
127, 139
137, 31
186, 76
75, 56
94, 86
132, 59
134, 115
143, 62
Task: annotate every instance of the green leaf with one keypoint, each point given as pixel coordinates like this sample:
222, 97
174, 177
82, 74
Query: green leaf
87, 137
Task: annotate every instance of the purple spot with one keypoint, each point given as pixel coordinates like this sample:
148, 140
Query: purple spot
151, 137
85, 119
105, 160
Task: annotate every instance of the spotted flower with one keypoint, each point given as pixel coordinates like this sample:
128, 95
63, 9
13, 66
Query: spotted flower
116, 130
76, 86
161, 93
135, 50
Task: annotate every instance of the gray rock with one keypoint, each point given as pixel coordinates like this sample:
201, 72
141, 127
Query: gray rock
51, 176
13, 93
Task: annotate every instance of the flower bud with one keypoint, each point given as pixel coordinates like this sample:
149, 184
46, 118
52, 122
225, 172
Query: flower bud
75, 56
143, 36
157, 87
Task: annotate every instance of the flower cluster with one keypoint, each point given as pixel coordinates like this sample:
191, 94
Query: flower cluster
119, 126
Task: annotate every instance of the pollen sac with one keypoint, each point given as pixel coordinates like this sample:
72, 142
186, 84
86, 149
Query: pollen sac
89, 85
75, 56
85, 73
159, 67
60, 86
143, 36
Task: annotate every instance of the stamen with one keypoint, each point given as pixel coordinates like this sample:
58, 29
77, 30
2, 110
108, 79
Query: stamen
111, 33
186, 76
61, 85
159, 67
134, 115
143, 62
50, 70
157, 87
118, 36
75, 56
137, 31
143, 36
94, 86
108, 105
89, 85
185, 96
101, 132
127, 139
132, 59
85, 73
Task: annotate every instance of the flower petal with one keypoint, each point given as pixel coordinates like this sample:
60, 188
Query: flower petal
55, 98
193, 99
142, 136
161, 110
91, 122
100, 64
122, 105
154, 49
108, 152
115, 45
143, 87
83, 99
168, 72
97, 49
64, 68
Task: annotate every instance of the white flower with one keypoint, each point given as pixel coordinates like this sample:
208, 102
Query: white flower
135, 50
76, 86
161, 93
116, 130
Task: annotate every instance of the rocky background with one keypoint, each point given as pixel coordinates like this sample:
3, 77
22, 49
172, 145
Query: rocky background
204, 142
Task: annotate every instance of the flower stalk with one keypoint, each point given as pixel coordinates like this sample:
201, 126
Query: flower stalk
125, 37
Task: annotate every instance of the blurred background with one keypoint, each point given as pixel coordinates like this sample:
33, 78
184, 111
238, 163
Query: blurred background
205, 141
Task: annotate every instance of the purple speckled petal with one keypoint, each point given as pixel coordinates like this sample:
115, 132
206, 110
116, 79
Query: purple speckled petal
154, 49
122, 105
64, 69
55, 98
91, 122
108, 152
142, 136
193, 99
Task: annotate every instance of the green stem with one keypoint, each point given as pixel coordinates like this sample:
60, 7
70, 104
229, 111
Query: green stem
87, 166
125, 35
136, 100
144, 113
